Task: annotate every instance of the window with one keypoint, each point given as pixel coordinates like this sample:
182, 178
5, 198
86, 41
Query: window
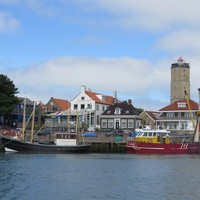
127, 111
110, 123
54, 109
82, 98
103, 98
182, 105
97, 119
131, 123
103, 108
124, 123
150, 134
144, 134
97, 107
187, 114
104, 123
82, 106
108, 112
75, 106
117, 111
169, 114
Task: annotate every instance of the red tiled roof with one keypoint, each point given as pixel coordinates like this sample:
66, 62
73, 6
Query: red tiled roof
153, 115
174, 106
108, 99
63, 104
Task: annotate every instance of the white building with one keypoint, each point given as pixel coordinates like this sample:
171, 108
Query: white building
93, 105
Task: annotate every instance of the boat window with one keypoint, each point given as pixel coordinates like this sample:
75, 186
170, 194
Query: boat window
145, 134
140, 134
154, 134
150, 134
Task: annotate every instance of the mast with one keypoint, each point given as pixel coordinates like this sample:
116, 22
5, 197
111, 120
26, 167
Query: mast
24, 119
68, 120
33, 120
77, 121
196, 132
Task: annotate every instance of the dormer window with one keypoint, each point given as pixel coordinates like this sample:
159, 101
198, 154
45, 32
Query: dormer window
182, 105
117, 111
127, 111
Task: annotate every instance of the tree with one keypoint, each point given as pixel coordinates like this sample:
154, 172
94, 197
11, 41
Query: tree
139, 110
8, 100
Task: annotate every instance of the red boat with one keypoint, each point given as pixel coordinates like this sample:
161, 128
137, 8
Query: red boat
134, 147
161, 142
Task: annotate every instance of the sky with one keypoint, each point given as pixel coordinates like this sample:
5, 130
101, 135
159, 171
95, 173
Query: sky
50, 48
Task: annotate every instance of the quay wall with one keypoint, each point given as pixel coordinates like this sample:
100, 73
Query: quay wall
107, 147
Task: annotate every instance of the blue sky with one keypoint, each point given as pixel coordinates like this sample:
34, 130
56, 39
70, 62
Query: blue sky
50, 48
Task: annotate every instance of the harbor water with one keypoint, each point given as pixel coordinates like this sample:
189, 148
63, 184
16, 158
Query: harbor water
99, 177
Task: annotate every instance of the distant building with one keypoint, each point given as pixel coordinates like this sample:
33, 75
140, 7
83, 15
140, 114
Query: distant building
178, 116
120, 116
149, 119
56, 105
92, 104
180, 80
16, 117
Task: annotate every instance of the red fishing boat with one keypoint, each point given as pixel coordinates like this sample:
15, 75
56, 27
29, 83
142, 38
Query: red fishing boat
162, 142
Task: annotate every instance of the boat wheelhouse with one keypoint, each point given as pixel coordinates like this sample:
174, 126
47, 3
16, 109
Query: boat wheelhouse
152, 136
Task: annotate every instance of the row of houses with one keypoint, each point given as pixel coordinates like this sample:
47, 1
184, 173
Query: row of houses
103, 112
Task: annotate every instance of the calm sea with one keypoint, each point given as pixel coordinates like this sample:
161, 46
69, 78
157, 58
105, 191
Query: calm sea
99, 177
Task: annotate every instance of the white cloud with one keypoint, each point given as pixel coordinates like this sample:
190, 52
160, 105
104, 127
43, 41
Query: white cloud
128, 76
151, 15
180, 41
8, 23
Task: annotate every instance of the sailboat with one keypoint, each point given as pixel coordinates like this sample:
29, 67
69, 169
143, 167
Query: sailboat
64, 143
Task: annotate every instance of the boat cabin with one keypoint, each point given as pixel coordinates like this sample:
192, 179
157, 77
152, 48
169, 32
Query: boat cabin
65, 139
153, 136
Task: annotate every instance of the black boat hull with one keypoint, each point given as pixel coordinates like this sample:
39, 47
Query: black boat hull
25, 147
2, 149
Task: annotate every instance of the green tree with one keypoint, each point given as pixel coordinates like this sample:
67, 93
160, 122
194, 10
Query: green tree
8, 100
139, 110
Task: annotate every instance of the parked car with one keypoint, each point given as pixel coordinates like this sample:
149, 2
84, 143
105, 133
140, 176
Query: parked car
89, 134
115, 132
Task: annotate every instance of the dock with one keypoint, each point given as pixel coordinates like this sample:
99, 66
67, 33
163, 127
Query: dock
105, 144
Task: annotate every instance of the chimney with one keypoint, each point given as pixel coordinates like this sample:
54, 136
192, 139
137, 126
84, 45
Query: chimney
83, 89
129, 101
115, 96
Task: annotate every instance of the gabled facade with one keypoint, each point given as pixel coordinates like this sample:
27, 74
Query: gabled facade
120, 116
92, 104
56, 105
149, 119
178, 116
